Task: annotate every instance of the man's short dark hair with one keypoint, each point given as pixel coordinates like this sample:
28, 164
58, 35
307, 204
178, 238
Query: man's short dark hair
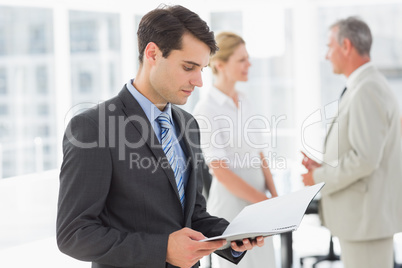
165, 27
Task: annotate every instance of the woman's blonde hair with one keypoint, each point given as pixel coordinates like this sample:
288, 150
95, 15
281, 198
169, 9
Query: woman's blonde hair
227, 43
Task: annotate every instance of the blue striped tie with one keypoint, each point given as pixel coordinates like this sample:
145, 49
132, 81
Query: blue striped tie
167, 145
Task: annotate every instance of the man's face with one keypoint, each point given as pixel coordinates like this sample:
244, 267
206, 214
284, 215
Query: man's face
173, 78
335, 54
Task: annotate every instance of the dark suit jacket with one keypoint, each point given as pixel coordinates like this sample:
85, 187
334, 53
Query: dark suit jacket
118, 199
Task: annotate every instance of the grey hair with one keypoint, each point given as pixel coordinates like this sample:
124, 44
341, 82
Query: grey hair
357, 31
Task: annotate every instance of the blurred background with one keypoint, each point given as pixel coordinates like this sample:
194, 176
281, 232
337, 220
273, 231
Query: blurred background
60, 57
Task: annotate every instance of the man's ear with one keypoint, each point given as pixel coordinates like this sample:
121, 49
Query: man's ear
151, 52
347, 46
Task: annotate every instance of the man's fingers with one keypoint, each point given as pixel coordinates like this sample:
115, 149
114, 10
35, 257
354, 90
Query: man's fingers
207, 248
236, 246
194, 234
185, 249
243, 245
259, 241
247, 244
306, 160
211, 245
199, 254
208, 245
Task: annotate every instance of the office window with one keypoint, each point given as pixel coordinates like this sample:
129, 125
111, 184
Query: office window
6, 20
37, 39
3, 81
42, 131
227, 21
25, 30
47, 149
394, 77
28, 161
4, 132
95, 56
3, 109
26, 41
83, 35
41, 77
9, 167
2, 41
85, 82
112, 77
137, 20
47, 165
113, 35
43, 109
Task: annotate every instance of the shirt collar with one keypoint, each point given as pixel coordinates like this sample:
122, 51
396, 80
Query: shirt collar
150, 110
356, 73
221, 97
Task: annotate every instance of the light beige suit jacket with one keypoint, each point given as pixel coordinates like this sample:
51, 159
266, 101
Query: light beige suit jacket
362, 198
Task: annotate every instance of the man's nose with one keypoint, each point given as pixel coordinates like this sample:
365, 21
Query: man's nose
196, 80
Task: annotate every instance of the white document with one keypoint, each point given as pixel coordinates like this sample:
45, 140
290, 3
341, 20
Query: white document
273, 216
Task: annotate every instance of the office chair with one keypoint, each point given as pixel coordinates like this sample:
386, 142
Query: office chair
331, 256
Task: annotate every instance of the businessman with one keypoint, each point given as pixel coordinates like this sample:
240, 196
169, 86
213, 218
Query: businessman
361, 201
131, 178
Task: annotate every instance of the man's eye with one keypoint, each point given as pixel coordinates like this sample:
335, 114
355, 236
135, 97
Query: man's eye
186, 68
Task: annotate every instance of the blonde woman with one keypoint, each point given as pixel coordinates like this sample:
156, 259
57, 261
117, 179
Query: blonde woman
232, 144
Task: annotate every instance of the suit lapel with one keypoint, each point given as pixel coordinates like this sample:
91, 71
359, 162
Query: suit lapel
342, 100
330, 128
139, 120
371, 70
191, 188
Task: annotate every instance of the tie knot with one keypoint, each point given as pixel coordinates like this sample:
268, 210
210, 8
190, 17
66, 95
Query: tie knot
164, 120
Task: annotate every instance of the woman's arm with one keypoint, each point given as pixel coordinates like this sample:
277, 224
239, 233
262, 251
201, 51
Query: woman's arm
236, 185
269, 182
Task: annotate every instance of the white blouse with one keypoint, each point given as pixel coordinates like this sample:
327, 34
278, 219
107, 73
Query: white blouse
230, 133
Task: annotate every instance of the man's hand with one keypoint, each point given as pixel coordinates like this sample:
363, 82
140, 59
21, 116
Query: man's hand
308, 179
247, 244
184, 250
309, 163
